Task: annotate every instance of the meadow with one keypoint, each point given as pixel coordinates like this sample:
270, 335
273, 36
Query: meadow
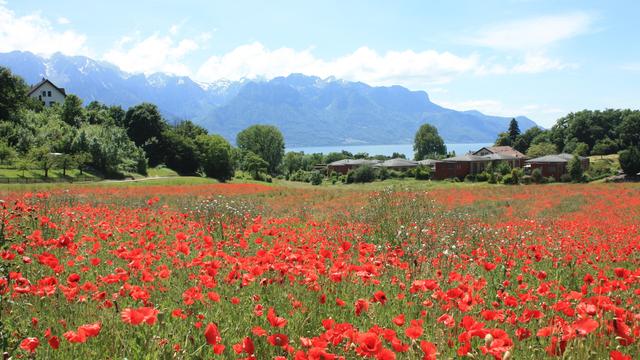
251, 271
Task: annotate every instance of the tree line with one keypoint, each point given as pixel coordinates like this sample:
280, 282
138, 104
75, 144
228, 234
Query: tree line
583, 133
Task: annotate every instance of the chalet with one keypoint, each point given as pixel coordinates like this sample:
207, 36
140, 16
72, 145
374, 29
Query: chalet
47, 92
507, 152
343, 166
398, 164
553, 165
460, 166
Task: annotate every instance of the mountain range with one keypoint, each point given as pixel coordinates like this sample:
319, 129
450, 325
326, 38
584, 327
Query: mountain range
309, 111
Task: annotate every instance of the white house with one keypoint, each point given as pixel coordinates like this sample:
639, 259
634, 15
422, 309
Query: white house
47, 92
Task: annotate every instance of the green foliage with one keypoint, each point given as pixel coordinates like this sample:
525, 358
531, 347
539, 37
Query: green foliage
145, 126
7, 153
214, 153
266, 141
541, 149
13, 94
574, 168
629, 129
581, 149
536, 176
316, 178
503, 139
630, 161
513, 178
604, 146
361, 174
180, 151
111, 151
43, 158
72, 111
423, 173
514, 130
428, 142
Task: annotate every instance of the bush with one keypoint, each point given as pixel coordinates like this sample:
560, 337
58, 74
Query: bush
503, 168
423, 173
470, 178
383, 173
565, 178
513, 178
493, 178
316, 178
630, 161
574, 169
550, 179
483, 176
362, 174
301, 176
527, 180
536, 176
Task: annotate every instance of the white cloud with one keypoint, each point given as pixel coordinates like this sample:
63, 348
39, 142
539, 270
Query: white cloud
37, 34
533, 34
153, 54
63, 21
530, 64
409, 68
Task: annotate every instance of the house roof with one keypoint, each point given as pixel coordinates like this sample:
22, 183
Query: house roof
35, 87
466, 157
354, 162
428, 162
556, 158
398, 162
505, 150
500, 156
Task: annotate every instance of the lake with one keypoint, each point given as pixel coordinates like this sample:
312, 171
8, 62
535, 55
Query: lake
387, 150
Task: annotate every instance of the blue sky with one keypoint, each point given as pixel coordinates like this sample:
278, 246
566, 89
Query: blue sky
541, 59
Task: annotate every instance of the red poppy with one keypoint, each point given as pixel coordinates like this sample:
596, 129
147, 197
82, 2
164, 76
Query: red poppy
429, 349
29, 344
369, 344
278, 339
140, 315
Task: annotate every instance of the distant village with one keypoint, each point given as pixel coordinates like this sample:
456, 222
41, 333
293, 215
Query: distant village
470, 164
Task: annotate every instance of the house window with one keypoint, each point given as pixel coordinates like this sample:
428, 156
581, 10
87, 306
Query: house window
39, 97
44, 93
49, 93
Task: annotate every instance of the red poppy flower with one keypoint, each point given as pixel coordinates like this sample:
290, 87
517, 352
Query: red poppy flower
278, 340
140, 315
369, 344
29, 344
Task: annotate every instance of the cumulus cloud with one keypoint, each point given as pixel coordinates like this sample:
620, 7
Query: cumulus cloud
154, 53
410, 68
37, 34
533, 34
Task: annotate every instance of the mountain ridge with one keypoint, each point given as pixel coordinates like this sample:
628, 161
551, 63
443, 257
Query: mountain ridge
310, 111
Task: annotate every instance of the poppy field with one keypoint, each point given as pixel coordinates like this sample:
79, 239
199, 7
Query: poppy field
249, 271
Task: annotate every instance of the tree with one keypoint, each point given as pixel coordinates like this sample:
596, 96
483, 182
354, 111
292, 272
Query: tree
574, 168
111, 150
7, 153
630, 161
581, 149
43, 158
514, 129
428, 142
541, 149
81, 160
265, 141
254, 165
180, 152
13, 94
64, 162
145, 126
604, 147
629, 130
214, 153
72, 111
503, 139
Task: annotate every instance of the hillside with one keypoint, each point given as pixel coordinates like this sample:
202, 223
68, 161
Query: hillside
309, 110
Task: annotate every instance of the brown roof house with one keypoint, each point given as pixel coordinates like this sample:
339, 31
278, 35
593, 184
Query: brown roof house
554, 165
507, 153
460, 166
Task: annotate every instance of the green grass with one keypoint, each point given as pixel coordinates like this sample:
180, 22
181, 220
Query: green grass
9, 173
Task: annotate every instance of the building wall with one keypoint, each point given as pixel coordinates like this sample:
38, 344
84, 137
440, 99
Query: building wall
43, 92
556, 170
447, 170
341, 169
